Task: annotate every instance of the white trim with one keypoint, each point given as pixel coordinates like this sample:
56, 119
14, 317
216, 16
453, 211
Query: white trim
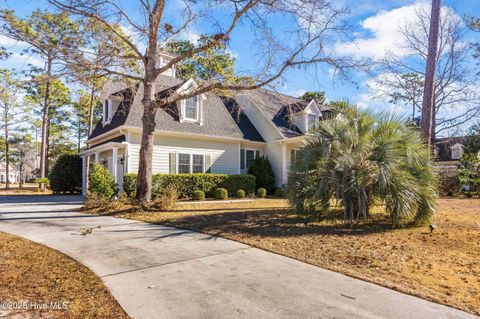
177, 153
254, 157
103, 147
266, 118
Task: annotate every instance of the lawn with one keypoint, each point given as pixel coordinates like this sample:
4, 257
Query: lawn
26, 189
33, 273
443, 266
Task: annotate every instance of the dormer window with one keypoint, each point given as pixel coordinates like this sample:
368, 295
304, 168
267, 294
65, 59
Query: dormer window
311, 122
107, 111
191, 108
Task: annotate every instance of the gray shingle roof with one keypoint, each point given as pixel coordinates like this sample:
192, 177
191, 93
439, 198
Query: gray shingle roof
217, 121
247, 128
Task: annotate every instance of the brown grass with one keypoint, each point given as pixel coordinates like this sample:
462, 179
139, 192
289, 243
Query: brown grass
26, 189
33, 273
443, 267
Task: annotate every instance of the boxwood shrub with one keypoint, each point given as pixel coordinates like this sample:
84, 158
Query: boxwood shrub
198, 195
220, 193
186, 184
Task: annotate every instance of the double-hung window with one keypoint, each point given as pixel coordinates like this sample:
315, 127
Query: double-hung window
191, 108
312, 122
247, 157
190, 163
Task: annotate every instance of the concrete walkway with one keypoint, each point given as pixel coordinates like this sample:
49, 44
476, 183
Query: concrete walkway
161, 272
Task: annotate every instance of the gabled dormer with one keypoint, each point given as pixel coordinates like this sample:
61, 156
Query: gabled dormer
307, 119
110, 106
191, 109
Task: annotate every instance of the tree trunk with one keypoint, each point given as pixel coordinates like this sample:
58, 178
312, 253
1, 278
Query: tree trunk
144, 178
45, 123
91, 111
7, 151
428, 107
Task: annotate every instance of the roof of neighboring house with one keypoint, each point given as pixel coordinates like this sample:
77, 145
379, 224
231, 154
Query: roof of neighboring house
217, 121
243, 122
277, 107
444, 147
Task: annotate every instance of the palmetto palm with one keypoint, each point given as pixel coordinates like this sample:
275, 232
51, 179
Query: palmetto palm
359, 157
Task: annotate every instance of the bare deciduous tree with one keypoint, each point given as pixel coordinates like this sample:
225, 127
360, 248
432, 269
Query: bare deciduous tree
300, 40
456, 90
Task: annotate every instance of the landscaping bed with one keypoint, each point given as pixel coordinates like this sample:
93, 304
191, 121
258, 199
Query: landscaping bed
443, 266
33, 276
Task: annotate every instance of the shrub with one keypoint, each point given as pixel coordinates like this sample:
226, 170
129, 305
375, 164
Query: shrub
66, 174
388, 163
186, 184
240, 193
261, 192
42, 180
262, 169
165, 199
198, 195
279, 192
130, 184
220, 193
102, 182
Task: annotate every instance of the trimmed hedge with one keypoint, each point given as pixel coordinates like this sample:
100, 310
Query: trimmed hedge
261, 192
186, 184
198, 195
240, 193
220, 193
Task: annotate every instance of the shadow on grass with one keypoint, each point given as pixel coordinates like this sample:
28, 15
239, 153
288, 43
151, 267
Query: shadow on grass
268, 223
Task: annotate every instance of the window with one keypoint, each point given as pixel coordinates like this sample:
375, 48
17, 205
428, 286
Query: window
247, 157
190, 163
312, 122
183, 163
106, 109
197, 166
191, 108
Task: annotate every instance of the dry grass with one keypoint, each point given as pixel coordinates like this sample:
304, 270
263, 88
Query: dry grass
26, 189
443, 267
30, 272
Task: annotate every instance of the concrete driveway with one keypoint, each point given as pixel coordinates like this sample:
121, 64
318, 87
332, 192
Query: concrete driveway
162, 272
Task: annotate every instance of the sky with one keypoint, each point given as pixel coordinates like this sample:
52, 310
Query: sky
374, 28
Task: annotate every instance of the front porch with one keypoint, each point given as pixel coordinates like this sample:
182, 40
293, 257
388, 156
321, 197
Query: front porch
112, 155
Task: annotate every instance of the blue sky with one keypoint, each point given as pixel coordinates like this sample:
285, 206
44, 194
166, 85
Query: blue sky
372, 26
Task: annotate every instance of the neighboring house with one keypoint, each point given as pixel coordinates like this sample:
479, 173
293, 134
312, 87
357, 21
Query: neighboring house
449, 150
14, 175
207, 133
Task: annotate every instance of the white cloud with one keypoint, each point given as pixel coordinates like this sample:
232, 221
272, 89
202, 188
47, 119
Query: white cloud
25, 59
384, 30
8, 42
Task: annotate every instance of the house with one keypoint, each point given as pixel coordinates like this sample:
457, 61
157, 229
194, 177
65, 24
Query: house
13, 174
206, 133
449, 150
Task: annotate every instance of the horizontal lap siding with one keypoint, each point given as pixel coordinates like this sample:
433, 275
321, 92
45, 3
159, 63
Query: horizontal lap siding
274, 152
224, 156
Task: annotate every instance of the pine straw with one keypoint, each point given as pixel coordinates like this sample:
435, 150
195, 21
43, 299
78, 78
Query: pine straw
30, 272
443, 267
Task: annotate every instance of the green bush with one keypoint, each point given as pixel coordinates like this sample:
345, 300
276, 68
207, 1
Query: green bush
102, 182
261, 192
66, 174
220, 193
240, 193
130, 184
279, 192
262, 169
42, 180
186, 184
198, 195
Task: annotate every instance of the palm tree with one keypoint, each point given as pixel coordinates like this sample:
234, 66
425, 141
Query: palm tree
358, 158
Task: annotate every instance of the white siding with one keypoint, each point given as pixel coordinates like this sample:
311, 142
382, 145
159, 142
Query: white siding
276, 155
265, 127
224, 156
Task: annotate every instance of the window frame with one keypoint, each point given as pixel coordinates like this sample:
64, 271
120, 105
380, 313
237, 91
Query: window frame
256, 153
315, 120
197, 109
190, 162
107, 110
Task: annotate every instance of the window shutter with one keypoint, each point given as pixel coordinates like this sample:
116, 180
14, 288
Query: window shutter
173, 163
257, 154
242, 159
207, 163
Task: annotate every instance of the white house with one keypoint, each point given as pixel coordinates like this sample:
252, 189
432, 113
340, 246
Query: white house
206, 133
13, 174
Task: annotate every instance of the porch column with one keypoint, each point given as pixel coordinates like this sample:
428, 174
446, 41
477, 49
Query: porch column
84, 174
115, 164
97, 157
